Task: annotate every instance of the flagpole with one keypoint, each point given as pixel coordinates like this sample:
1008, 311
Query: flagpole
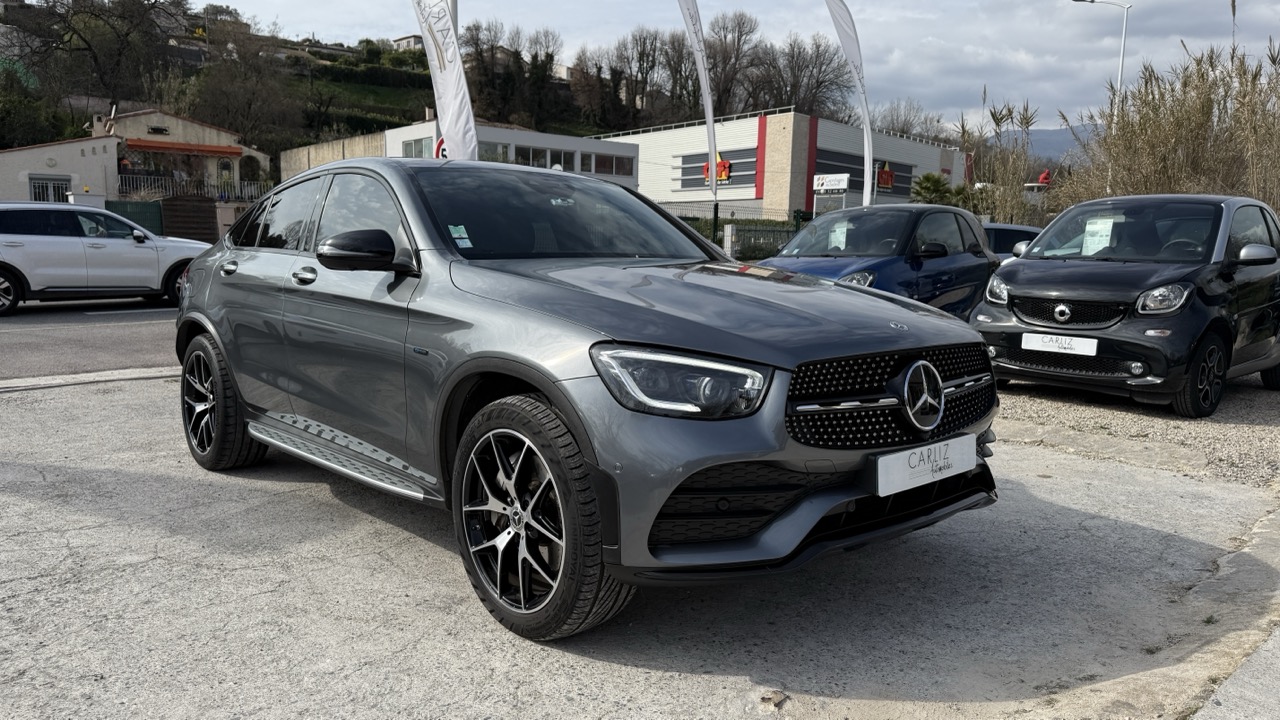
848, 35
693, 24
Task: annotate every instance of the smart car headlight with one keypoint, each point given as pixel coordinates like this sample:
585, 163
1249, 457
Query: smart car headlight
997, 291
663, 383
1164, 299
862, 277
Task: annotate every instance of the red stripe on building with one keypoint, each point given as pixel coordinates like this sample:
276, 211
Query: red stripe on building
813, 164
761, 133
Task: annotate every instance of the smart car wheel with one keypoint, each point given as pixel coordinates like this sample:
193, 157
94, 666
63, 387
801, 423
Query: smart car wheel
1271, 378
216, 434
1206, 378
528, 523
10, 293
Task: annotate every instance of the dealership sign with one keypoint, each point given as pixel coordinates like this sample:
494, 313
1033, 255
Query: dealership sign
831, 184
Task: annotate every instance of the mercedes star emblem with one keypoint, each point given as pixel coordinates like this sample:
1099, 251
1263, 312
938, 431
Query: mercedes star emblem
1062, 313
922, 395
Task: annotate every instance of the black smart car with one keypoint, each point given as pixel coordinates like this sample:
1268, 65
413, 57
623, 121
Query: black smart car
1160, 297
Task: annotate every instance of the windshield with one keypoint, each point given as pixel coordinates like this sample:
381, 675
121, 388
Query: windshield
858, 233
1137, 230
496, 213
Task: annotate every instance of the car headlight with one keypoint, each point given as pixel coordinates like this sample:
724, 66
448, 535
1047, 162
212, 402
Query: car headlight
997, 291
863, 278
662, 383
1163, 299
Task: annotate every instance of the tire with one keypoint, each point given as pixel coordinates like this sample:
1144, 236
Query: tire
521, 493
1003, 383
211, 417
10, 292
172, 286
1271, 378
1206, 380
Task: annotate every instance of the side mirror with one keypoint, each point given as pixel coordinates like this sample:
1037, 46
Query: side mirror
1020, 248
1256, 254
358, 250
139, 236
931, 250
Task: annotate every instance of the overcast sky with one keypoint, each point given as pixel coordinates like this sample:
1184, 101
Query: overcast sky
1056, 54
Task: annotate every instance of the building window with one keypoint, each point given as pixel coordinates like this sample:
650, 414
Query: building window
532, 157
50, 189
415, 148
157, 130
494, 152
563, 158
588, 163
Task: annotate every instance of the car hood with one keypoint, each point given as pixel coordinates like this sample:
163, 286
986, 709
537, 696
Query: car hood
1088, 279
827, 267
742, 311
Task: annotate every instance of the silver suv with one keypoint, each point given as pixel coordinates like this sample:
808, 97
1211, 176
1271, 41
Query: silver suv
600, 398
59, 251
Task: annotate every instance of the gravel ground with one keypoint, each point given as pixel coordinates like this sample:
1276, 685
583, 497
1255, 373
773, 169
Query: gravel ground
1237, 443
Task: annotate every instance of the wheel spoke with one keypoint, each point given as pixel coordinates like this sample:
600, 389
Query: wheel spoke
533, 559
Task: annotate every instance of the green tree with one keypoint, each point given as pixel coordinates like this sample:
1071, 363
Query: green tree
932, 189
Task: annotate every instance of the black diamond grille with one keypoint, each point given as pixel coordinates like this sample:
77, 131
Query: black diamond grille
1064, 363
1083, 314
888, 427
868, 374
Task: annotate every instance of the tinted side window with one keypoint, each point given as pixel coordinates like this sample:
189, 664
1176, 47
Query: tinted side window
1275, 229
244, 233
968, 237
358, 202
286, 223
1247, 227
39, 222
940, 227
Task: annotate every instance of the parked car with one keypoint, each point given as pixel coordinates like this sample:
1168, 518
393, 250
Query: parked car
1162, 298
1001, 237
934, 254
60, 251
599, 397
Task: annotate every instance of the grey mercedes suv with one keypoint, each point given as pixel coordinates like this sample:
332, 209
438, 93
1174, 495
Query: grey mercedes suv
599, 397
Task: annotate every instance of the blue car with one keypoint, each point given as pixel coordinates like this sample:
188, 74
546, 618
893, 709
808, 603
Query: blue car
935, 254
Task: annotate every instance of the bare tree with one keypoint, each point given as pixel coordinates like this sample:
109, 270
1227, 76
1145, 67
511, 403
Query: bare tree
637, 56
678, 79
908, 117
733, 45
814, 76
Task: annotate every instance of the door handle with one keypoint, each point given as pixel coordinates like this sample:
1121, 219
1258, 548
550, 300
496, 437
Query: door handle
305, 276
945, 279
96, 246
14, 244
229, 268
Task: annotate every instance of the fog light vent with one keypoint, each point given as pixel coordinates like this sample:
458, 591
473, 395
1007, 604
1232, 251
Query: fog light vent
1137, 368
991, 351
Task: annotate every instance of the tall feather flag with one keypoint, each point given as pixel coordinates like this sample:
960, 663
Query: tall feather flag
848, 35
693, 22
453, 100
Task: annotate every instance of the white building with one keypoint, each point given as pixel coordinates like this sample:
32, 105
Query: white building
614, 161
768, 161
49, 172
408, 42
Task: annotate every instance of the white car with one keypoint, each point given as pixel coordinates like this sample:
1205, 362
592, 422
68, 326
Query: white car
59, 251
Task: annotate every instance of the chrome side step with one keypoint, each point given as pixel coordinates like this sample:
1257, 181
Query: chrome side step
340, 463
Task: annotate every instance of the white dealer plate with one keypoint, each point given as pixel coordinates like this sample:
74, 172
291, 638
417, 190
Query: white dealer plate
911, 468
1060, 344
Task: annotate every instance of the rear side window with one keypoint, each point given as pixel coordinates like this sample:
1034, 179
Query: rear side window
286, 222
39, 222
244, 233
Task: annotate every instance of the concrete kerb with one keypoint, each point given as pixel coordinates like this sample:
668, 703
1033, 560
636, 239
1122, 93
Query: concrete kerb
39, 383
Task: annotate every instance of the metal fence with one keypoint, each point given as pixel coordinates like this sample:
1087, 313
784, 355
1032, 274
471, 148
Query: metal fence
155, 187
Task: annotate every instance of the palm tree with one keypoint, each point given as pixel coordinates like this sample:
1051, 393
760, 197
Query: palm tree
931, 188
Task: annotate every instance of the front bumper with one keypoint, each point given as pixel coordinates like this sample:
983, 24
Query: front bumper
825, 499
1165, 359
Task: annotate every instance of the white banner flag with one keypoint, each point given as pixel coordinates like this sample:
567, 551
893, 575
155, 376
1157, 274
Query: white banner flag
848, 35
453, 100
693, 22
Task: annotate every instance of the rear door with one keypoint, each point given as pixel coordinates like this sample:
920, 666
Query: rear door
262, 247
113, 257
44, 245
346, 329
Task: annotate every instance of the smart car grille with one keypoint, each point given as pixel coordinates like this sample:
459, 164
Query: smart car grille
874, 427
1082, 314
1063, 363
730, 502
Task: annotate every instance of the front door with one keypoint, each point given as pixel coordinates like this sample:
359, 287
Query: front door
113, 257
951, 283
1254, 298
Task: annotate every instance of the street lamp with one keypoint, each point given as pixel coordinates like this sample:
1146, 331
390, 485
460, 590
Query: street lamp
1124, 30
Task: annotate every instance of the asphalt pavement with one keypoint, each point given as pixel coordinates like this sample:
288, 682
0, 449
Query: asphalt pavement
47, 339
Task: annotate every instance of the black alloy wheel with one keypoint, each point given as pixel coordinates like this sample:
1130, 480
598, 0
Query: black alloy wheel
10, 293
1206, 379
216, 433
528, 523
